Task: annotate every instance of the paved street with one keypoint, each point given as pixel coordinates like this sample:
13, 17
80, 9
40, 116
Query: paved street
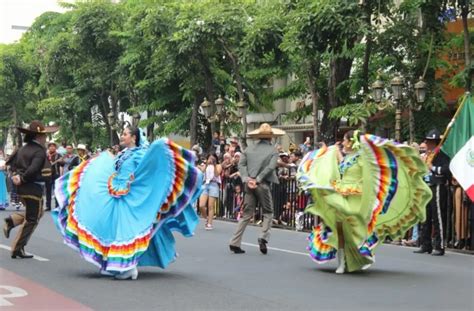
207, 276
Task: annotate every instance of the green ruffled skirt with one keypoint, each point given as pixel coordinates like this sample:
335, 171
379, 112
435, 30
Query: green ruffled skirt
382, 195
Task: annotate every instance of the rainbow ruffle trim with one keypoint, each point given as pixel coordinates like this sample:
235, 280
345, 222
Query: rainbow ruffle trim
306, 166
387, 182
121, 256
319, 251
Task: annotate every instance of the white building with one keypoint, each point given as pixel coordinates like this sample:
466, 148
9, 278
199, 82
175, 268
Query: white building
16, 16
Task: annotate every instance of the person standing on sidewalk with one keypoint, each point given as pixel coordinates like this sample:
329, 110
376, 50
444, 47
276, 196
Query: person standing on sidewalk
32, 171
54, 158
257, 169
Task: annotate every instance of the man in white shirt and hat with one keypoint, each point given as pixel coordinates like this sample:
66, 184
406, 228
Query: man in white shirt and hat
82, 153
257, 169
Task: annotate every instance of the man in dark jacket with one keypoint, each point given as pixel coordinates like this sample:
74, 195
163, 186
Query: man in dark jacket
54, 158
32, 171
257, 169
436, 217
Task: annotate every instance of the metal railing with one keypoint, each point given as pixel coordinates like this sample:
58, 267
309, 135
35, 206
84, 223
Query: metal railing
288, 205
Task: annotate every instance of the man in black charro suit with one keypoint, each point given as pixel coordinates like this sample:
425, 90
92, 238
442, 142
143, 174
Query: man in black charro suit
436, 210
31, 171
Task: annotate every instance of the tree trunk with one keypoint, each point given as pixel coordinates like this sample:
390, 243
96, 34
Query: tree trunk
339, 71
4, 137
312, 75
209, 87
17, 141
193, 126
104, 110
240, 91
150, 128
368, 49
411, 121
467, 54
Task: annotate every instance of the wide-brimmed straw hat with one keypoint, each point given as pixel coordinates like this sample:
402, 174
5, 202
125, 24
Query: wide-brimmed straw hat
35, 127
266, 131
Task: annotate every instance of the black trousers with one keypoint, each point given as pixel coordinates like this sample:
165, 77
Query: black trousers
50, 193
31, 195
436, 217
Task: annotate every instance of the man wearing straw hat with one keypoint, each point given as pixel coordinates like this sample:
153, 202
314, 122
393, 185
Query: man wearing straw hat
32, 171
257, 169
82, 153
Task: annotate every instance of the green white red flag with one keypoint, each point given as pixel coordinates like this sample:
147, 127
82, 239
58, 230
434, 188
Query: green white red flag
459, 145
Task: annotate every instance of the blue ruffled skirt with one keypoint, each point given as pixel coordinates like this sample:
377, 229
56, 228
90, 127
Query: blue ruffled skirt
3, 191
120, 219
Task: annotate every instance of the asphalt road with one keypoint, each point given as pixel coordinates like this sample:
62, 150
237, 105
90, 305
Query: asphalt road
207, 276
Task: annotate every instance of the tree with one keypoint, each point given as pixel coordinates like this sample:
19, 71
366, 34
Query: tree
78, 55
15, 89
319, 38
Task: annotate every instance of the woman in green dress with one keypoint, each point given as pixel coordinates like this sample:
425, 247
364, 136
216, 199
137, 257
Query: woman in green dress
371, 189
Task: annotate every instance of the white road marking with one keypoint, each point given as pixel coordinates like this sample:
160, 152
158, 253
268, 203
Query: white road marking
14, 292
39, 258
278, 249
307, 254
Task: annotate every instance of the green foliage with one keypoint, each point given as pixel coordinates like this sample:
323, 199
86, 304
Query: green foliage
164, 57
355, 113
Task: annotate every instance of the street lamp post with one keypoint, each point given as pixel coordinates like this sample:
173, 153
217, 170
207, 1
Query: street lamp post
136, 118
111, 119
420, 94
221, 114
397, 85
115, 125
397, 88
242, 108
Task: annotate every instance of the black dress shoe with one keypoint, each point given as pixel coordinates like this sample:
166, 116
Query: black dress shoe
7, 227
423, 250
262, 243
21, 254
236, 249
438, 252
459, 244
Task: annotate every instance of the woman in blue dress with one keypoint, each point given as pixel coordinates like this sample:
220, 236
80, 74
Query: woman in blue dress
119, 213
3, 183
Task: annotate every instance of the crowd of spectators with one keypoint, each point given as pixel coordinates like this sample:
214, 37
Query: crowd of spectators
223, 194
289, 202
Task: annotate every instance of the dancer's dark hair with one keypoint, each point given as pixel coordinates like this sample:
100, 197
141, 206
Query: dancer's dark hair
135, 131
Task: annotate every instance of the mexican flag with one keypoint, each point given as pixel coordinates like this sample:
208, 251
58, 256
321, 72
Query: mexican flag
459, 145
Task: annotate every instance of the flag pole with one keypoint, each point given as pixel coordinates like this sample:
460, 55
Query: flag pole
450, 124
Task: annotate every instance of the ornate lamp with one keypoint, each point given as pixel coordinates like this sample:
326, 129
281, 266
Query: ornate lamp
206, 107
377, 87
219, 105
397, 87
136, 118
420, 91
242, 107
